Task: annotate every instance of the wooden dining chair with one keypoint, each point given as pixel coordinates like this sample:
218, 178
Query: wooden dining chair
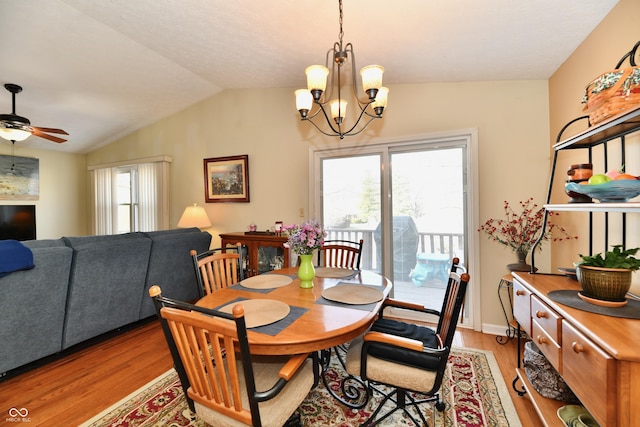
224, 383
340, 254
407, 357
218, 268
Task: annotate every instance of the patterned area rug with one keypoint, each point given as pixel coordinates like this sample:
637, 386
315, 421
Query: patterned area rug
473, 390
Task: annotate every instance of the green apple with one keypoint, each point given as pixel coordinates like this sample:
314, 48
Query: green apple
599, 178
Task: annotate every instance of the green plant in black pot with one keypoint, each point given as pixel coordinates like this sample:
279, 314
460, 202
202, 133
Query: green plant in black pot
608, 277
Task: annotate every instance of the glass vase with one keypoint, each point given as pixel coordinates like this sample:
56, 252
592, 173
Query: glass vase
306, 272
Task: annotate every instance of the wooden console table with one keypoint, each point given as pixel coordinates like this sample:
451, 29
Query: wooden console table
597, 355
265, 252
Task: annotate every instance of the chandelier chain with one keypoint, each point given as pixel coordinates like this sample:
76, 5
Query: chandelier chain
341, 33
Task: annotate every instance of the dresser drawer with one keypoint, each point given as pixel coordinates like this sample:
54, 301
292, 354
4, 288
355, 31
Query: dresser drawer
548, 319
591, 374
522, 306
547, 345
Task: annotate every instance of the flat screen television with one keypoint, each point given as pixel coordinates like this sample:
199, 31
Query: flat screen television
18, 222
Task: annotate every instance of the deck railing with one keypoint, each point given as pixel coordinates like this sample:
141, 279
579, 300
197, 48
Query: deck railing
451, 244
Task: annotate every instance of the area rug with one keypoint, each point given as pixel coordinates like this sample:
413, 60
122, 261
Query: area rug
474, 392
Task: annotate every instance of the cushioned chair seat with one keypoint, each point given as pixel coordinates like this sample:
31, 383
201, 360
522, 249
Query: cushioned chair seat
383, 371
276, 411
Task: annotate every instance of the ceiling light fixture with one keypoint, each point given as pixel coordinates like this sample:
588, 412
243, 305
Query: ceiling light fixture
316, 94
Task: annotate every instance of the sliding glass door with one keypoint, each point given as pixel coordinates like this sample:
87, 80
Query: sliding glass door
409, 204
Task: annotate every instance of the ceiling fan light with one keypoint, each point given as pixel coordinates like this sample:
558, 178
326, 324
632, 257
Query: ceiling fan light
14, 134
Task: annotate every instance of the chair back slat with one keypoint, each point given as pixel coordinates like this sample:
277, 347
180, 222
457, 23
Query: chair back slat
207, 349
218, 268
340, 254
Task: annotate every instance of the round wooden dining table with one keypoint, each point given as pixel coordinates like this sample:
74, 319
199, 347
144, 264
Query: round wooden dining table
320, 324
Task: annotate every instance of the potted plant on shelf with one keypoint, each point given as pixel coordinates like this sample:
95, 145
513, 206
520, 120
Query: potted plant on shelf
607, 278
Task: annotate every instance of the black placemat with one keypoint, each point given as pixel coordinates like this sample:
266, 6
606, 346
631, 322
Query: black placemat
568, 297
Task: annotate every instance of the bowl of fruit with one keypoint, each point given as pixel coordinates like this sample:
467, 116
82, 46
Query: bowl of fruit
611, 187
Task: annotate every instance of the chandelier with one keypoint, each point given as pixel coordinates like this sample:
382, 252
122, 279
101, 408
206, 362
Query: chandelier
334, 109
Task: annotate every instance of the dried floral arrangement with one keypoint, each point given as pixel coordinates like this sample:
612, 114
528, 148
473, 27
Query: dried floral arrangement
520, 230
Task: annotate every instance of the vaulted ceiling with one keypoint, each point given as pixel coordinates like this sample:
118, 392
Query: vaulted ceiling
102, 69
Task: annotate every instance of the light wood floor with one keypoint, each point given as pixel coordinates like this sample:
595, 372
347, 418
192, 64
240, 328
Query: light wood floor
71, 390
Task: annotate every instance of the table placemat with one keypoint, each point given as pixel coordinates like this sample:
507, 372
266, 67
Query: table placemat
365, 307
571, 299
266, 281
276, 327
336, 273
259, 312
351, 293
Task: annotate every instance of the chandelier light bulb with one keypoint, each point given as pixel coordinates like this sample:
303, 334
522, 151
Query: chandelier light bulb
338, 110
304, 101
371, 79
380, 102
317, 79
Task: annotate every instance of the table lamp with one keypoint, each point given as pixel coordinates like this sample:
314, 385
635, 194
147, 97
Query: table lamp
194, 216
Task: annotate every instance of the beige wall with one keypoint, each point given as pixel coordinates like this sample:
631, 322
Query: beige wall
600, 52
511, 118
60, 209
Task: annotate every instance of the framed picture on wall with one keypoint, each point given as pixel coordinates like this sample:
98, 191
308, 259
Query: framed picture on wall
19, 178
226, 179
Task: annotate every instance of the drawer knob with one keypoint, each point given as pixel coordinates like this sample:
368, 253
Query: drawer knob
541, 314
520, 293
577, 347
541, 339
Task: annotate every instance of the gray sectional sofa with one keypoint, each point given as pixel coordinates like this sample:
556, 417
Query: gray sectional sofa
83, 287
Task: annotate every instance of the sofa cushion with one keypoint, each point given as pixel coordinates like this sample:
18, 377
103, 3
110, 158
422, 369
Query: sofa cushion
105, 288
171, 266
33, 304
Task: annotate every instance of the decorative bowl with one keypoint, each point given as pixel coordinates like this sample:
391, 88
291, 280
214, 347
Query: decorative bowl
621, 190
576, 197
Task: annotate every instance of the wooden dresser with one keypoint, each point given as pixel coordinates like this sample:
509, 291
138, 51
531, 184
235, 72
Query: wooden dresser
597, 355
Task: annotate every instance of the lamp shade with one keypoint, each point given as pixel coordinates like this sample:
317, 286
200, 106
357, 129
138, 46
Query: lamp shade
194, 216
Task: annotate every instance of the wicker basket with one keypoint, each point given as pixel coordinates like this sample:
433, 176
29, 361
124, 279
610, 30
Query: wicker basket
543, 377
612, 93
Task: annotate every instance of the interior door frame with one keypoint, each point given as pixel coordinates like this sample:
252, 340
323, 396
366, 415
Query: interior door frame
383, 147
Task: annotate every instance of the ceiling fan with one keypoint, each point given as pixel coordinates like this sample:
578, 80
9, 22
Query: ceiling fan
17, 128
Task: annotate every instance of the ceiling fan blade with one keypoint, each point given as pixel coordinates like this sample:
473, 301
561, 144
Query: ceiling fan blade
38, 132
50, 130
